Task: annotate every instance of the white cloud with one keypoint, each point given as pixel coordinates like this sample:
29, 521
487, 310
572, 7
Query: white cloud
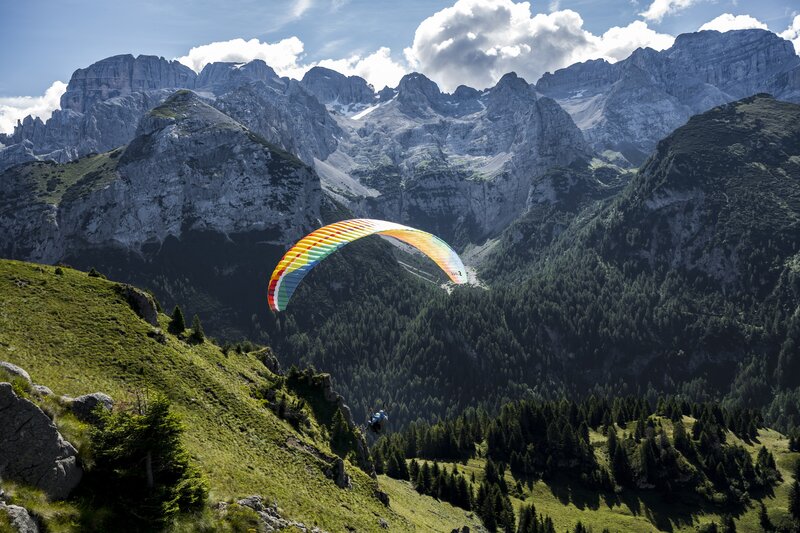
300, 7
661, 8
13, 108
792, 33
728, 22
286, 56
378, 68
475, 42
282, 56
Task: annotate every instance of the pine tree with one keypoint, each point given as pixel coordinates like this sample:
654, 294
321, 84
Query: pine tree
794, 501
340, 434
177, 324
141, 455
198, 335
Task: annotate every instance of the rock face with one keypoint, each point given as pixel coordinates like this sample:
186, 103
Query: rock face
120, 76
104, 102
190, 168
83, 407
32, 450
630, 105
340, 93
459, 165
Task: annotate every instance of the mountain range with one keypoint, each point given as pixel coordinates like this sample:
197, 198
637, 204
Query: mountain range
599, 272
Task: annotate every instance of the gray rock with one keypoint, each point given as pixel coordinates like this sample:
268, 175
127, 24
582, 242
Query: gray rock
270, 515
382, 497
630, 105
15, 371
383, 523
344, 94
338, 474
190, 168
42, 390
83, 406
142, 303
20, 518
32, 451
120, 76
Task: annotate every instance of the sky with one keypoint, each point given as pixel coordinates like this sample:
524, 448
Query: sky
471, 42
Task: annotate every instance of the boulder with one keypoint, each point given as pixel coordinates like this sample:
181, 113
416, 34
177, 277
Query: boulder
83, 406
41, 390
20, 518
142, 303
32, 451
15, 371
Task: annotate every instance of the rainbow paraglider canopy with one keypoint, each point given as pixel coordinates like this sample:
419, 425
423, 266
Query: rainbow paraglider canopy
316, 246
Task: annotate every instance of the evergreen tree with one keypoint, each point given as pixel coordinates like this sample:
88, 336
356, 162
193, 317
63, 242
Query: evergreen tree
141, 466
198, 335
177, 324
340, 434
794, 501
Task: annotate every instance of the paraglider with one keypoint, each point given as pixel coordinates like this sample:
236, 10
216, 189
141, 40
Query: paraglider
319, 244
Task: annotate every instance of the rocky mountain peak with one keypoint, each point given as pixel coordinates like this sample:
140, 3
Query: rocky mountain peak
336, 90
122, 75
417, 94
221, 77
186, 110
630, 105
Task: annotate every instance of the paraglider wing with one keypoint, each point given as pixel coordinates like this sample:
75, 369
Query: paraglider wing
319, 244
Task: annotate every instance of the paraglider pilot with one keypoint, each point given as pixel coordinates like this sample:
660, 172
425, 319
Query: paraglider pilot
377, 420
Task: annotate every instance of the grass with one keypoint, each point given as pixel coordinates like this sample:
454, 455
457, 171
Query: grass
426, 513
76, 335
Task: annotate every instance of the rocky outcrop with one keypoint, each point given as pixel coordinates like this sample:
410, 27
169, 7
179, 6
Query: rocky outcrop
20, 519
142, 303
630, 105
362, 450
269, 515
84, 407
14, 371
32, 451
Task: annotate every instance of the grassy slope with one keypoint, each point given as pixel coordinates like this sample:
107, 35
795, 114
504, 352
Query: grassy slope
424, 512
76, 335
566, 502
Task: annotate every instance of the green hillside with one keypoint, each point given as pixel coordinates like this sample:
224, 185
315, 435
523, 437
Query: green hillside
77, 334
